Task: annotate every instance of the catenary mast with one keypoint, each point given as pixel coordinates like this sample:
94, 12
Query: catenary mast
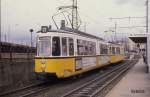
74, 15
75, 20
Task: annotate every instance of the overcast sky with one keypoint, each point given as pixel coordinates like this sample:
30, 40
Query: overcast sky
18, 16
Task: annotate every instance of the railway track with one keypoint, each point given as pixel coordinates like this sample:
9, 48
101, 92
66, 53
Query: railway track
24, 90
99, 85
38, 89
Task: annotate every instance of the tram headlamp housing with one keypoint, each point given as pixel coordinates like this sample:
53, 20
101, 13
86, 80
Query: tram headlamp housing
43, 65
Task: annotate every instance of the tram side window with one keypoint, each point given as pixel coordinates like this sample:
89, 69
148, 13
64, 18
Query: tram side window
104, 49
56, 46
79, 47
71, 47
117, 50
100, 48
113, 50
64, 46
86, 47
92, 48
121, 51
110, 50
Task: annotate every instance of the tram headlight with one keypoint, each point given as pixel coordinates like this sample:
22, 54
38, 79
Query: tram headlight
43, 65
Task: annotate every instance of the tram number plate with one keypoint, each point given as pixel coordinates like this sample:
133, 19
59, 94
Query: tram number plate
78, 65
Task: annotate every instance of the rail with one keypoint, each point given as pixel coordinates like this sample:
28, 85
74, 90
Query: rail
92, 88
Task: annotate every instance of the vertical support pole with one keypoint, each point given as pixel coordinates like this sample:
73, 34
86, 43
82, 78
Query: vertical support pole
74, 15
147, 31
0, 20
148, 38
0, 28
30, 49
31, 40
115, 32
31, 30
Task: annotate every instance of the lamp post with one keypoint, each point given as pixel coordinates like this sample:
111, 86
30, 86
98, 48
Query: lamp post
115, 31
31, 30
148, 38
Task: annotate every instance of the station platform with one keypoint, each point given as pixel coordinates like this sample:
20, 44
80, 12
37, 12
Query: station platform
135, 83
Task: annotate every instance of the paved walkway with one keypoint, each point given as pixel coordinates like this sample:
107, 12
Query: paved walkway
135, 84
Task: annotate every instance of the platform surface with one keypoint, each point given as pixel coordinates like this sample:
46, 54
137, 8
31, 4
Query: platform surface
135, 84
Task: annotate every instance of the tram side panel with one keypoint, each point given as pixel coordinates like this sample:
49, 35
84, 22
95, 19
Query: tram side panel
60, 67
117, 54
104, 59
66, 67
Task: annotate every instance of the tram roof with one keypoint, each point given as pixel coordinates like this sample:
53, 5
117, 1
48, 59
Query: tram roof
68, 30
81, 33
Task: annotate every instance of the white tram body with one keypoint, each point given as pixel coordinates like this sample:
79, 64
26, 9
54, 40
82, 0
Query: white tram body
68, 53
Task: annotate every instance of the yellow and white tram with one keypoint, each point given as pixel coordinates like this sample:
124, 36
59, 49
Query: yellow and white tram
68, 53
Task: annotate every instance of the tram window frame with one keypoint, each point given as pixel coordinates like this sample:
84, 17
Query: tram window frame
79, 47
93, 47
118, 50
103, 49
64, 45
106, 49
57, 46
110, 50
121, 50
113, 50
99, 48
86, 47
71, 46
39, 47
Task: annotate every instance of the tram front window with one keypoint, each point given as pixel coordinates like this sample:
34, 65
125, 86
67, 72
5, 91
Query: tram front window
56, 46
44, 47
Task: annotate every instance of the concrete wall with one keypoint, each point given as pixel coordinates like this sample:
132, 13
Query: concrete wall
15, 71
